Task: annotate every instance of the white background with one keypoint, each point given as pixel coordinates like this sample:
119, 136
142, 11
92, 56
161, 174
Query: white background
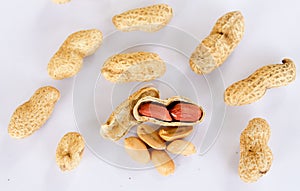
31, 31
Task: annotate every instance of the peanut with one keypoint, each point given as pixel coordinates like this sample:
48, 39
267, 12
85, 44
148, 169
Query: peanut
255, 155
181, 147
121, 120
183, 111
33, 114
163, 163
61, 1
67, 61
254, 87
172, 133
131, 67
148, 19
150, 137
215, 48
137, 150
69, 151
155, 110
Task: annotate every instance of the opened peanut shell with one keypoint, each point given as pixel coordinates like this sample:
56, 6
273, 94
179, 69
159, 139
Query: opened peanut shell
121, 120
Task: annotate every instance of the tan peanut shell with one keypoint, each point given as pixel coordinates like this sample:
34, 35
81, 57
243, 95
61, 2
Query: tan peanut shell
133, 67
150, 136
172, 133
215, 48
162, 162
122, 120
181, 147
255, 86
34, 113
67, 61
166, 102
69, 151
148, 19
137, 149
61, 1
255, 155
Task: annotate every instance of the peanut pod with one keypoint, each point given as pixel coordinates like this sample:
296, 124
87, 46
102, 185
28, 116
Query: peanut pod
121, 119
67, 61
131, 67
255, 86
33, 114
215, 48
182, 110
69, 151
148, 19
255, 155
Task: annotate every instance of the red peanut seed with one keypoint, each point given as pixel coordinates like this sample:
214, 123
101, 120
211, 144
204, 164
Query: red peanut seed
185, 112
154, 110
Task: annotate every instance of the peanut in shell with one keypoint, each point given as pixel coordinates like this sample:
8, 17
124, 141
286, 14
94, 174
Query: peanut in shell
148, 19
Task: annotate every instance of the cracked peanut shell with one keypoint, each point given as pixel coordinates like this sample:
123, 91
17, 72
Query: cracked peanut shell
121, 120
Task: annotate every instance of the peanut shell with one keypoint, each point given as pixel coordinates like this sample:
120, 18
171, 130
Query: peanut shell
69, 151
67, 61
148, 19
33, 114
255, 86
215, 48
132, 67
255, 155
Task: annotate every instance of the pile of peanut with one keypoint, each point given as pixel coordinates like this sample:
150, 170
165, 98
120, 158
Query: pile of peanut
174, 117
154, 145
172, 120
